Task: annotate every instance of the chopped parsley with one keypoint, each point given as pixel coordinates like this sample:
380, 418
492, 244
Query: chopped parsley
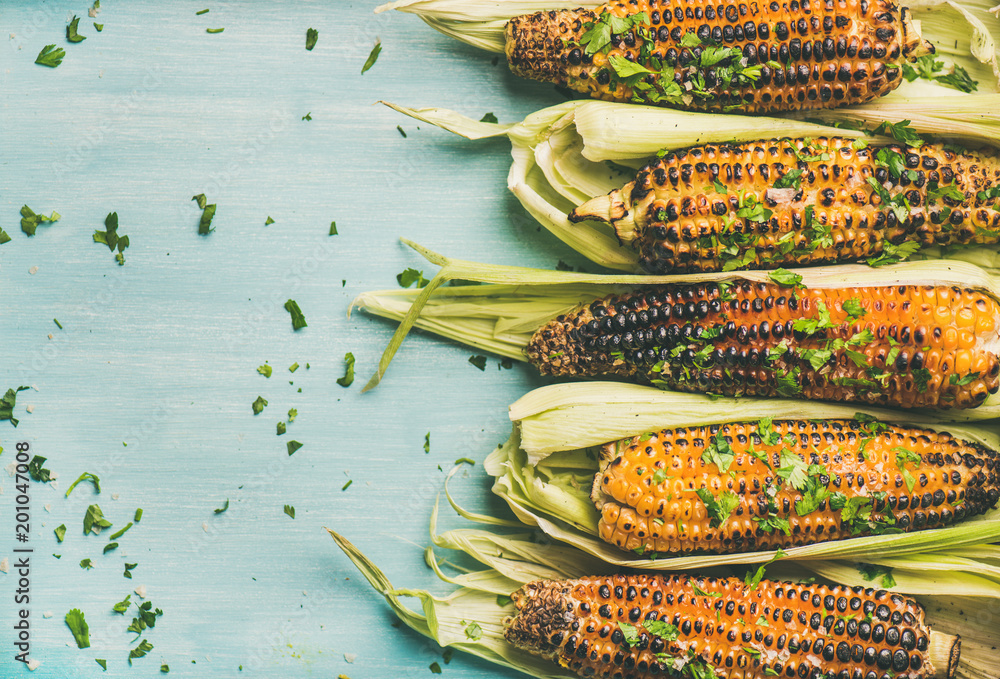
489, 118
312, 35
630, 634
427, 442
224, 507
86, 476
333, 229
265, 370
292, 414
503, 600
4, 237
71, 30
87, 564
258, 405
853, 308
101, 661
298, 320
78, 626
718, 452
308, 116
700, 592
7, 404
292, 446
58, 324
281, 428
870, 571
128, 570
962, 381
719, 508
929, 68
110, 546
770, 524
111, 238
372, 57
905, 456
268, 221
60, 532
348, 378
474, 631
402, 132
901, 132
791, 179
30, 221
121, 532
347, 485
290, 511
785, 278
36, 471
144, 646
99, 27
479, 361
50, 56
212, 30
138, 515
663, 630
94, 521
435, 668
408, 277
205, 223
201, 11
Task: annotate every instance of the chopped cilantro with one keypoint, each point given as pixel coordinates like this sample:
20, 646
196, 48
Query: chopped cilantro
94, 521
281, 428
86, 476
853, 308
700, 592
308, 116
268, 221
785, 278
630, 633
962, 381
78, 626
489, 118
772, 523
407, 278
60, 532
86, 564
503, 600
791, 179
71, 30
719, 508
58, 324
101, 661
372, 57
224, 507
118, 534
290, 510
718, 452
258, 405
474, 631
427, 442
901, 132
265, 370
870, 571
144, 646
347, 485
293, 367
30, 220
212, 30
312, 35
479, 361
787, 383
298, 320
292, 414
110, 546
111, 238
348, 378
205, 223
128, 570
292, 446
165, 668
99, 27
138, 515
50, 56
434, 667
37, 472
663, 630
4, 237
7, 404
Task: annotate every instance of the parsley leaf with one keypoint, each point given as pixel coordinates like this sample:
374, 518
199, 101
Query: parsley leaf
489, 118
474, 631
479, 361
292, 446
71, 30
37, 472
265, 370
407, 278
122, 605
94, 521
258, 405
205, 224
30, 220
372, 57
900, 131
140, 651
853, 308
870, 571
7, 404
717, 452
50, 56
312, 35
78, 626
630, 633
663, 630
87, 564
719, 508
224, 507
111, 238
791, 179
298, 320
290, 510
60, 532
963, 381
348, 378
891, 254
785, 278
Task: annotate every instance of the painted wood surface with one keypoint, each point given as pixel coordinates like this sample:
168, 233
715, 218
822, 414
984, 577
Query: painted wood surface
161, 354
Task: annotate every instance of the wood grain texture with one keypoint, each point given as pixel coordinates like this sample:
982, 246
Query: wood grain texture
162, 352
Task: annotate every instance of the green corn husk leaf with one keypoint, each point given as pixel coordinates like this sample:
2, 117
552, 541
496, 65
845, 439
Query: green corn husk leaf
957, 601
554, 495
566, 154
963, 33
502, 316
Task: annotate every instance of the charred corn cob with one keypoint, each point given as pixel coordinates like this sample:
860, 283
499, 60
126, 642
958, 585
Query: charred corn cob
797, 202
752, 486
750, 56
906, 346
640, 626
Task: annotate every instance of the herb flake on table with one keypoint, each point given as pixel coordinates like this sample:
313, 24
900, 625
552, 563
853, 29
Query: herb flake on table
312, 35
224, 507
36, 471
308, 116
408, 277
138, 515
101, 661
86, 564
347, 485
4, 237
121, 532
50, 56
60, 532
372, 56
201, 11
58, 324
212, 30
94, 521
268, 221
99, 27
281, 428
333, 229
290, 510
71, 30
258, 405
111, 238
78, 626
489, 118
348, 378
479, 361
401, 131
292, 446
298, 320
7, 404
265, 370
144, 646
128, 570
31, 221
292, 414
86, 476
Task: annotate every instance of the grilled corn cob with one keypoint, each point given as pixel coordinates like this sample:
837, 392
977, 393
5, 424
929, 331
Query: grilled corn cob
751, 56
640, 626
906, 346
782, 202
749, 486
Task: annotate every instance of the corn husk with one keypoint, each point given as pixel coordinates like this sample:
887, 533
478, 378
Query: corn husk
955, 599
502, 316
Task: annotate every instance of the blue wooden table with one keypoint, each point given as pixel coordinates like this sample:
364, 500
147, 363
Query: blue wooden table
150, 381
